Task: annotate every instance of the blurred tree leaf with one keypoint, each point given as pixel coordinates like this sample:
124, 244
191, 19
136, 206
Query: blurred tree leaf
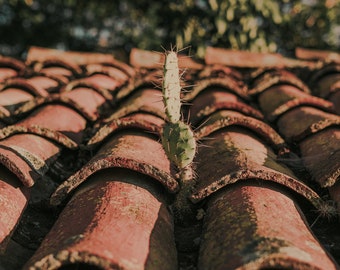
257, 25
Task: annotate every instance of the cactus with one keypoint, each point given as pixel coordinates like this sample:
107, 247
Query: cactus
177, 138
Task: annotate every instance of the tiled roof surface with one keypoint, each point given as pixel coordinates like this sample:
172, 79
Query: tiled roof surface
86, 184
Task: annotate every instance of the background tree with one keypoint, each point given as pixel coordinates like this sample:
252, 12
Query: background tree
256, 25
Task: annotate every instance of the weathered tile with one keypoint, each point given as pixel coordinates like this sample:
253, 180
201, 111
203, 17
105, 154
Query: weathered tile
64, 68
13, 199
226, 83
219, 70
212, 101
28, 156
225, 118
321, 156
24, 84
31, 105
284, 96
131, 149
249, 226
102, 84
45, 55
239, 155
90, 101
274, 77
117, 70
147, 100
335, 99
118, 219
313, 54
10, 67
148, 122
246, 59
326, 84
297, 123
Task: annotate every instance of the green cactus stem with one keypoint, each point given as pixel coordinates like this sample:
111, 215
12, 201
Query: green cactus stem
179, 143
171, 87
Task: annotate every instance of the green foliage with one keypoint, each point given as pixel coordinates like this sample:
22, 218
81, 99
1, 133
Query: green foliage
256, 25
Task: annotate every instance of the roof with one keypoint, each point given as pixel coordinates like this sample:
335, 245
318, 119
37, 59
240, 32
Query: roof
85, 182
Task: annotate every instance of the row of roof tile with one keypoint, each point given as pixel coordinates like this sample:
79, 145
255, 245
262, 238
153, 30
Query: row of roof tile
79, 139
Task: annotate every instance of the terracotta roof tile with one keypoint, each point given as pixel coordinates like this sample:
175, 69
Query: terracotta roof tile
245, 59
217, 99
28, 156
326, 84
310, 54
311, 120
148, 100
10, 67
118, 219
321, 156
247, 228
335, 99
228, 83
80, 148
125, 149
239, 155
270, 78
143, 121
225, 118
11, 191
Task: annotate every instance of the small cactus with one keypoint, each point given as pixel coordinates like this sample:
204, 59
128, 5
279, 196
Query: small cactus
177, 138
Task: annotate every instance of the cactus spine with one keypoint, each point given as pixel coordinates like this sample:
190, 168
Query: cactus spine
177, 138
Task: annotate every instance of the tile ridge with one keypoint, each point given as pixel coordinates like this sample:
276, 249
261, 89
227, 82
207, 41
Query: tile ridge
77, 58
141, 80
231, 84
52, 98
310, 101
225, 118
27, 164
149, 123
140, 100
261, 173
82, 83
11, 62
272, 78
247, 59
25, 85
75, 69
326, 56
55, 136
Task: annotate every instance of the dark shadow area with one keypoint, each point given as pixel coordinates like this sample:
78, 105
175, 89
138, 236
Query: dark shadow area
79, 266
